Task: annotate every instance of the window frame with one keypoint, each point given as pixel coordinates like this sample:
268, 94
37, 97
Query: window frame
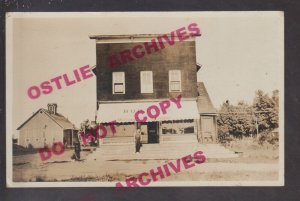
170, 81
118, 83
150, 90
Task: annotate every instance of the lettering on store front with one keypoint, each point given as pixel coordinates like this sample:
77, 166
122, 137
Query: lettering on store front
154, 111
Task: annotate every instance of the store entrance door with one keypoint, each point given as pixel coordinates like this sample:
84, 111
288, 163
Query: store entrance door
153, 136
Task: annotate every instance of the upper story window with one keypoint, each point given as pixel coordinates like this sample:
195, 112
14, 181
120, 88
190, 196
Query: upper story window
118, 83
146, 82
175, 81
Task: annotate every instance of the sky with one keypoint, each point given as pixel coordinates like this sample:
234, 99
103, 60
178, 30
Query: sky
240, 52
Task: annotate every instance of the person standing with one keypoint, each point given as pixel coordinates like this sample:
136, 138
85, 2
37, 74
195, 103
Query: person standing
137, 138
77, 150
65, 142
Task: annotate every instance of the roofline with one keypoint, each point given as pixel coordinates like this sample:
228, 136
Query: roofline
42, 109
28, 119
52, 118
131, 36
206, 92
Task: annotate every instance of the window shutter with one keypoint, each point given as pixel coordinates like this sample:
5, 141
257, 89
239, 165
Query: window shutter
146, 82
174, 80
176, 76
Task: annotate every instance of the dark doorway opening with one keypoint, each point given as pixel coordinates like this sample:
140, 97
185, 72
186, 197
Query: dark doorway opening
153, 136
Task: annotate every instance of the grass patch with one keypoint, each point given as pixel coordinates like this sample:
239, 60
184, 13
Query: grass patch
224, 176
251, 151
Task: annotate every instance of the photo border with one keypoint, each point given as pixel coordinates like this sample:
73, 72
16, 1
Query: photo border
291, 22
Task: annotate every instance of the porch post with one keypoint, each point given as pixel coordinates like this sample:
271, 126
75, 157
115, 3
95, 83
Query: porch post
200, 130
196, 128
136, 127
216, 129
160, 132
72, 137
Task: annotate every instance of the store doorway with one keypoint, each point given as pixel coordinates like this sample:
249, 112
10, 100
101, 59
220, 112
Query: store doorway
153, 136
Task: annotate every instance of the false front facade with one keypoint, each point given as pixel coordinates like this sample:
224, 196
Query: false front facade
156, 92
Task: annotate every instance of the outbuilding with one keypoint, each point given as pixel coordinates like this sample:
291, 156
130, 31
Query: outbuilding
45, 127
207, 123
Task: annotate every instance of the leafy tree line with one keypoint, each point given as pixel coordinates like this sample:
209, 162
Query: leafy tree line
246, 120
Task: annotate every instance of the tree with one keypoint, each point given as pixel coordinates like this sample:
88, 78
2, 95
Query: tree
240, 120
275, 112
267, 110
235, 120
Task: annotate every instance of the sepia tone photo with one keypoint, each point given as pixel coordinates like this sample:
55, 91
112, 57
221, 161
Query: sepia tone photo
145, 99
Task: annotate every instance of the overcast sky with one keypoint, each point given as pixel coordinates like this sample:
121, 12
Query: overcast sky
240, 52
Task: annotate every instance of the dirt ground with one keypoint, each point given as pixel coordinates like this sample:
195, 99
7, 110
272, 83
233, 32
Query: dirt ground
247, 167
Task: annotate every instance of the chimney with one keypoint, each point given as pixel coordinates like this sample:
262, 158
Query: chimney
52, 107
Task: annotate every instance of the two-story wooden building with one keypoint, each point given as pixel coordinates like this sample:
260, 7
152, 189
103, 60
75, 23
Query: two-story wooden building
150, 75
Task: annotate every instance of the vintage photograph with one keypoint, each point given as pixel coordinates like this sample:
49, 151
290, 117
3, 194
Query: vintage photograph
137, 99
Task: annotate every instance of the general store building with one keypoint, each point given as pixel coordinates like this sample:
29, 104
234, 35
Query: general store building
138, 84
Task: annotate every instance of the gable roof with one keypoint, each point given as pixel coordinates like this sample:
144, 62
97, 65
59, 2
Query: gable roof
204, 103
62, 121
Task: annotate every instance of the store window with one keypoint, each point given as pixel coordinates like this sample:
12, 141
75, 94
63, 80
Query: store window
178, 127
118, 83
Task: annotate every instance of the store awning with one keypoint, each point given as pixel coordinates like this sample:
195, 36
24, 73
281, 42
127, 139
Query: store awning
125, 112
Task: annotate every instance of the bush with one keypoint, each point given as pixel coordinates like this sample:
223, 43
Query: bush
225, 138
269, 137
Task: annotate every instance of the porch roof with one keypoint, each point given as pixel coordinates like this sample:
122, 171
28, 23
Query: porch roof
125, 112
205, 105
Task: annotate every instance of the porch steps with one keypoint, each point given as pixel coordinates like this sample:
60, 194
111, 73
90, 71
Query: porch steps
113, 140
164, 151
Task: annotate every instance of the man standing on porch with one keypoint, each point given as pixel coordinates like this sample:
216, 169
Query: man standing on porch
137, 138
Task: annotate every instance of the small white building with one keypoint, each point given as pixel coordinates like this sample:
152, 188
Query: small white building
45, 127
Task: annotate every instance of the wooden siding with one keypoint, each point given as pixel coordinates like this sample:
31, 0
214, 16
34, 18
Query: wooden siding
181, 56
39, 128
208, 129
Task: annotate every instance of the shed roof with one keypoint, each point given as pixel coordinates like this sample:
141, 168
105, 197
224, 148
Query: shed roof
204, 103
62, 121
